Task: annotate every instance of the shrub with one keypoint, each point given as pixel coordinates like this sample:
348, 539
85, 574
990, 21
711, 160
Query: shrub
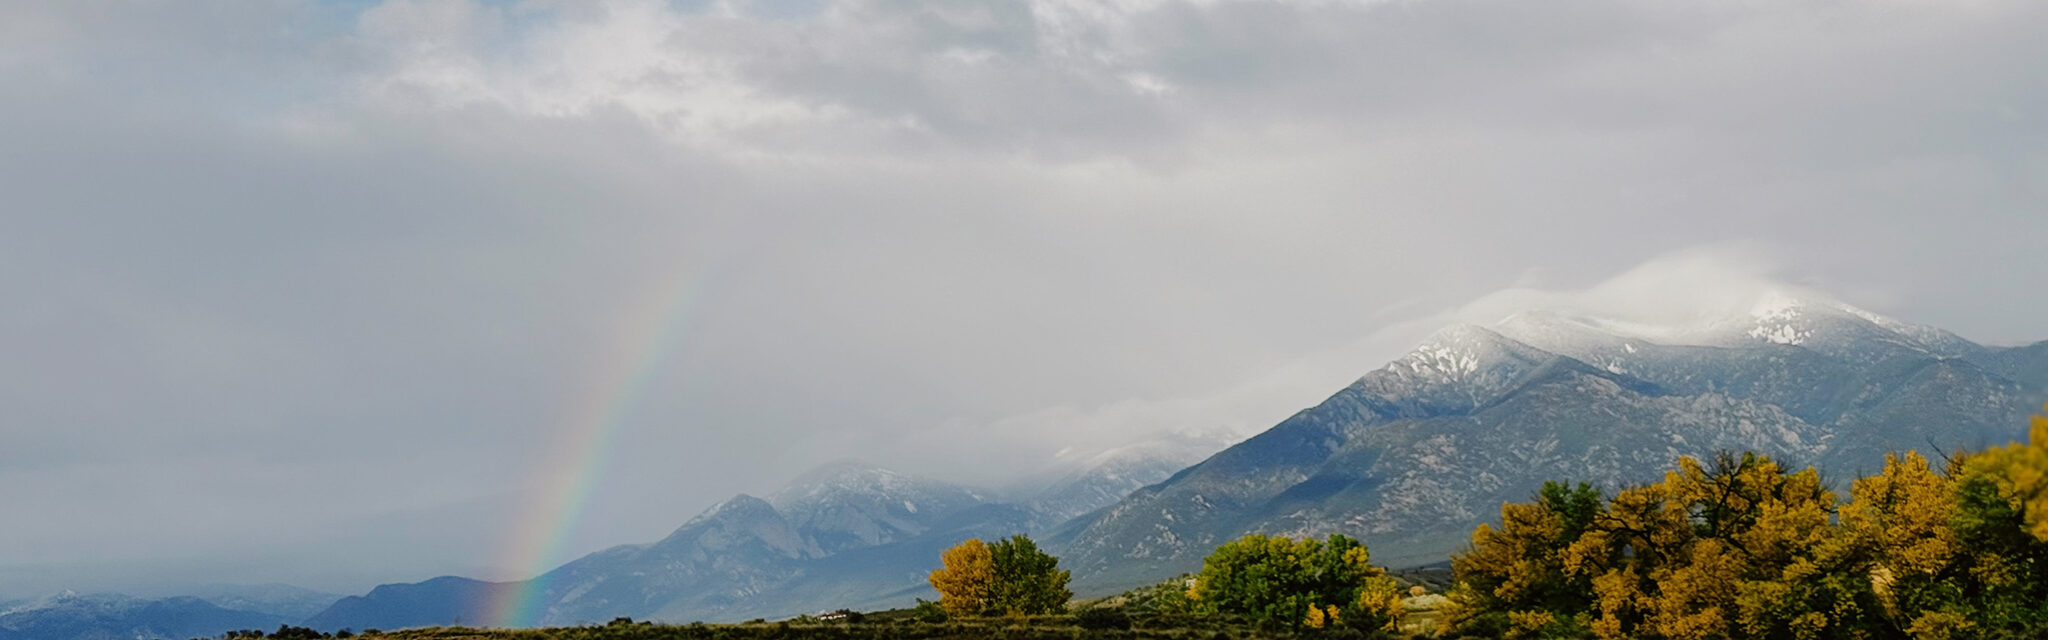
1103, 618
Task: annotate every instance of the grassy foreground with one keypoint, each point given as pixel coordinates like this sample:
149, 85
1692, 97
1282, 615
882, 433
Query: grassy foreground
902, 624
978, 630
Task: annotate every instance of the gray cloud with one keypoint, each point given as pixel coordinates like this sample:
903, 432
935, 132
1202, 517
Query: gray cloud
311, 292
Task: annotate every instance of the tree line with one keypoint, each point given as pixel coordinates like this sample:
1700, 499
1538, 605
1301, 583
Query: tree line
1738, 547
1731, 547
1270, 582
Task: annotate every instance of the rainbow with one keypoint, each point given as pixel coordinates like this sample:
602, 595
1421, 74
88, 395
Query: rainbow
630, 362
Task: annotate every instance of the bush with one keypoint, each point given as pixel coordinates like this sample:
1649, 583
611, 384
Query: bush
1103, 618
929, 612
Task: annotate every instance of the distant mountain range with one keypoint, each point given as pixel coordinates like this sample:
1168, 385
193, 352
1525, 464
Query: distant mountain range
1409, 458
847, 535
70, 616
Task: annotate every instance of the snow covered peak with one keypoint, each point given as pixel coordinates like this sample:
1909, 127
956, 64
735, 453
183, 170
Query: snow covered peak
737, 507
846, 477
1776, 318
854, 484
1834, 327
1457, 368
1459, 352
1782, 315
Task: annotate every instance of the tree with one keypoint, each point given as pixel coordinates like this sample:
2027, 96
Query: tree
966, 581
1518, 570
2001, 523
1902, 517
1027, 581
1733, 548
2018, 473
1008, 577
1278, 581
1737, 547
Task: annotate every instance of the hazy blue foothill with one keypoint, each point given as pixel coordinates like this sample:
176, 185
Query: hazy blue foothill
117, 617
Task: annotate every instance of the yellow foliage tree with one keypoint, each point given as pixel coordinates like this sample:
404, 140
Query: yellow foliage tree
1521, 566
967, 580
1736, 549
1902, 518
2020, 473
1320, 616
1903, 514
1380, 598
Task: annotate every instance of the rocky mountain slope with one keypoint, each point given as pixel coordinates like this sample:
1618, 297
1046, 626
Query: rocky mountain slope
1411, 456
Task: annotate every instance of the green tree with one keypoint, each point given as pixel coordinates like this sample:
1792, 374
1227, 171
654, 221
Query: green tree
1027, 581
1278, 581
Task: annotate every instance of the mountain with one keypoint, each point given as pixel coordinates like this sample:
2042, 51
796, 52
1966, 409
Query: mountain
71, 616
291, 602
1108, 476
845, 535
447, 600
1411, 456
851, 505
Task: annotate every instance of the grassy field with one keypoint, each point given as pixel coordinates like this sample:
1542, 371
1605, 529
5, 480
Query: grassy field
1143, 618
864, 631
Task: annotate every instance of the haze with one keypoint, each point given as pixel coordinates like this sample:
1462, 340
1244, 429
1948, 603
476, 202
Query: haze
328, 293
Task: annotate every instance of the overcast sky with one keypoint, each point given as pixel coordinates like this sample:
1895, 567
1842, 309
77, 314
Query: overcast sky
314, 292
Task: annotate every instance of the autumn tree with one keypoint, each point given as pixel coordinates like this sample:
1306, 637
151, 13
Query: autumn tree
1513, 572
1282, 582
2001, 524
1902, 517
1733, 548
1739, 547
1007, 577
966, 581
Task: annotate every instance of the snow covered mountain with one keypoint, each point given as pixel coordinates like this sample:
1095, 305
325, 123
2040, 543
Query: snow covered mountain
1411, 456
1107, 477
849, 505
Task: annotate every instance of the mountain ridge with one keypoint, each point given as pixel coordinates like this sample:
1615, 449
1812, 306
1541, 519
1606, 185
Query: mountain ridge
1409, 456
846, 534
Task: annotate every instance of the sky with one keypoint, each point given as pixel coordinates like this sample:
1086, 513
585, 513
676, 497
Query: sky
343, 293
